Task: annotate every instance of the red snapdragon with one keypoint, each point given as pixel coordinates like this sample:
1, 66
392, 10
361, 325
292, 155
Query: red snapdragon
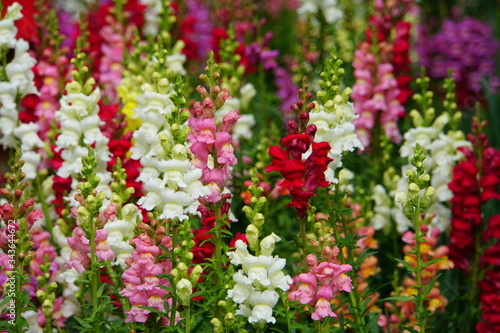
303, 172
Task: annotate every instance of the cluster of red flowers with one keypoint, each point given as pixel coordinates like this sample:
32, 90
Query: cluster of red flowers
120, 144
102, 16
392, 35
475, 182
301, 176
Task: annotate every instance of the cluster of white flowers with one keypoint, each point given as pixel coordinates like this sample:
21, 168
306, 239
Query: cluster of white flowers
171, 182
79, 120
334, 123
120, 232
441, 158
151, 14
439, 162
74, 7
330, 9
19, 83
257, 281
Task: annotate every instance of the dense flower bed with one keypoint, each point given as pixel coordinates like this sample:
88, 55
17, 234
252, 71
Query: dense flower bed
235, 166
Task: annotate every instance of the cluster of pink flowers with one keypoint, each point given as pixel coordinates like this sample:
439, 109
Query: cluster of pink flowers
143, 287
111, 66
80, 244
378, 93
375, 94
48, 101
319, 286
212, 141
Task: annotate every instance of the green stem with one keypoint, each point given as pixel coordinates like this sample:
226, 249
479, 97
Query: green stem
174, 260
419, 310
188, 318
45, 209
287, 311
18, 265
18, 298
95, 276
354, 295
475, 277
112, 274
218, 254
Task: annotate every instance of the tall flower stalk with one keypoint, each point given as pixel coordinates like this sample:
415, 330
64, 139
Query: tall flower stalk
18, 216
415, 202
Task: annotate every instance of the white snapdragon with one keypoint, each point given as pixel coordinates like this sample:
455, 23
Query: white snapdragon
330, 9
382, 207
442, 156
121, 231
19, 70
74, 7
19, 83
256, 282
151, 14
79, 120
335, 125
171, 182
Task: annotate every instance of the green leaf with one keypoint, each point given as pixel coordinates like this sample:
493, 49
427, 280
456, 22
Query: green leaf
154, 310
428, 287
430, 262
83, 323
398, 298
408, 267
411, 330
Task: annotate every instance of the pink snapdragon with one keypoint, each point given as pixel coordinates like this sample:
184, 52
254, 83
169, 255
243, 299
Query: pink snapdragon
375, 94
142, 286
78, 242
111, 66
319, 286
43, 248
209, 140
79, 258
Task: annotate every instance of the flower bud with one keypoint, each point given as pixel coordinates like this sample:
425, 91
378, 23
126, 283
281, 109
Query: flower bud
47, 307
195, 274
258, 220
413, 192
428, 197
217, 325
184, 289
229, 317
252, 236
267, 244
182, 267
402, 198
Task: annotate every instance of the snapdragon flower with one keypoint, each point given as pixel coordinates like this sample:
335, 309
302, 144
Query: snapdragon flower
330, 9
20, 82
170, 180
257, 281
334, 123
442, 155
79, 119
